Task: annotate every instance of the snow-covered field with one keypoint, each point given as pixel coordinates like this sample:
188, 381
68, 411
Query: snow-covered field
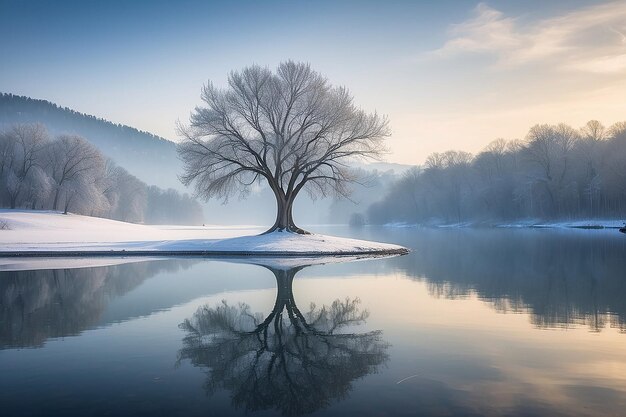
39, 232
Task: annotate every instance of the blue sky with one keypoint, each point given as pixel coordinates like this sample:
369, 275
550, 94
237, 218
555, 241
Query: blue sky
449, 74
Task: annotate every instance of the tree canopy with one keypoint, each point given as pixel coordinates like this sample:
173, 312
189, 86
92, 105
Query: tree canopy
290, 127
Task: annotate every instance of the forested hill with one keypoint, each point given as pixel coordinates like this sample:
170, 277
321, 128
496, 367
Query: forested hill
150, 158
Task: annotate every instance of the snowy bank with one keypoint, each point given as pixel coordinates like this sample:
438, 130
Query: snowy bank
48, 233
525, 223
583, 224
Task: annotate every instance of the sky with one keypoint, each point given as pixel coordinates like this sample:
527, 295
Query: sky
448, 74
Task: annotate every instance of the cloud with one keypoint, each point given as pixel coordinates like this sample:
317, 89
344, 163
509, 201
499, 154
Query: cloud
590, 39
611, 64
488, 31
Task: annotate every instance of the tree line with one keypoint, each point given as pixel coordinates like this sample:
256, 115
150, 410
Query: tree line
556, 172
68, 173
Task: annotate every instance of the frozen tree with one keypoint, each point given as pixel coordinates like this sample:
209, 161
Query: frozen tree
549, 149
76, 166
612, 169
290, 127
594, 131
109, 189
20, 148
38, 187
618, 131
588, 152
447, 180
69, 173
83, 194
125, 193
556, 172
495, 169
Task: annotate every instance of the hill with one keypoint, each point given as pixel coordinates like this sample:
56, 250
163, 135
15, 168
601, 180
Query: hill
149, 157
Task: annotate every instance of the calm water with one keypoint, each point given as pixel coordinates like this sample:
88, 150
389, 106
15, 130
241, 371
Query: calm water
472, 322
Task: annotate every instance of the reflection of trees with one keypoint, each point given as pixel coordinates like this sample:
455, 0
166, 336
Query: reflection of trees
290, 361
39, 304
561, 278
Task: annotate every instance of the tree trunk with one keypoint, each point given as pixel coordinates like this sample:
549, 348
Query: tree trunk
68, 201
56, 200
292, 225
284, 216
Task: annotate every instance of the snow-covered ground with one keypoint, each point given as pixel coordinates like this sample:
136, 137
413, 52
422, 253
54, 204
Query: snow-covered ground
37, 232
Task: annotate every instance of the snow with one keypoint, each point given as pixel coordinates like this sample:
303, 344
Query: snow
49, 232
524, 223
595, 223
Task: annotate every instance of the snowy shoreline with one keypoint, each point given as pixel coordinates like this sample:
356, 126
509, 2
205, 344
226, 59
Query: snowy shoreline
52, 234
524, 224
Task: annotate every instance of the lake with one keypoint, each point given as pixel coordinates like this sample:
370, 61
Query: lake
473, 322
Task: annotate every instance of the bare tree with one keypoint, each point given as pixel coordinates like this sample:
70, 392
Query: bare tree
125, 193
594, 131
549, 148
290, 127
556, 172
73, 165
20, 149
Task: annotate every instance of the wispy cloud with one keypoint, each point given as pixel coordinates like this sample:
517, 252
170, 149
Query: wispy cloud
590, 39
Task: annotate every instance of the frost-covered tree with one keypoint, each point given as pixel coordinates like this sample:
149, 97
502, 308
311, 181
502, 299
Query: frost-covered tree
125, 193
594, 131
39, 185
76, 166
69, 173
20, 148
290, 128
549, 149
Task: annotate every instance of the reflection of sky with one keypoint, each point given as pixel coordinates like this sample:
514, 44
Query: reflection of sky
449, 74
471, 357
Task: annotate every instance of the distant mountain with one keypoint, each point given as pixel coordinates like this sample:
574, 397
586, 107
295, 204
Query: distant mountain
149, 157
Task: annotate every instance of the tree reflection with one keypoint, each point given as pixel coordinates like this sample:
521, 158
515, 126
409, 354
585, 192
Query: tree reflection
290, 361
562, 278
36, 305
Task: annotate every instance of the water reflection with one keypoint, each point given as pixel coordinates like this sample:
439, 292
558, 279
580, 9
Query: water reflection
36, 305
444, 358
289, 361
561, 278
